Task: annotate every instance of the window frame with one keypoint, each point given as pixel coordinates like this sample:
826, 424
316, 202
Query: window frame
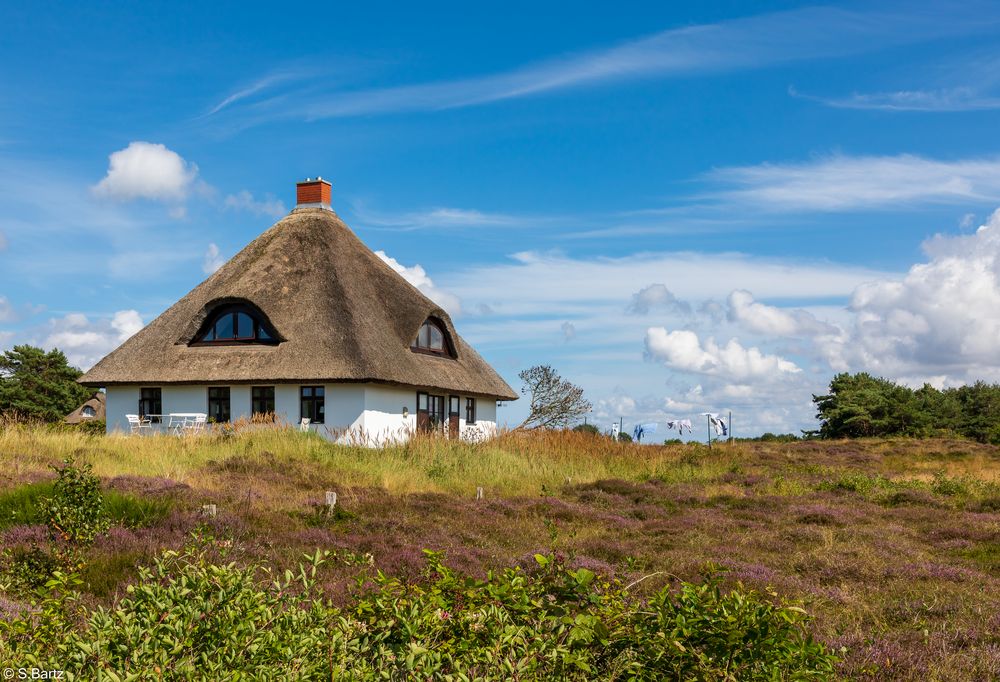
470, 410
259, 322
223, 398
151, 405
447, 350
256, 399
315, 402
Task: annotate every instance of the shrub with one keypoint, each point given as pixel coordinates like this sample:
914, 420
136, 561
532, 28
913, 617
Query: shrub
191, 618
75, 511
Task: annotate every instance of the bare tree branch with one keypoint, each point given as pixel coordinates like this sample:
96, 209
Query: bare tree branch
554, 402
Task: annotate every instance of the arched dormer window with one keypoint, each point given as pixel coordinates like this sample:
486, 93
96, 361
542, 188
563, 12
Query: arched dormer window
236, 323
432, 337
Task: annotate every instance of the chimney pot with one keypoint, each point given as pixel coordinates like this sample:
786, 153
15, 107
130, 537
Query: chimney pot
313, 193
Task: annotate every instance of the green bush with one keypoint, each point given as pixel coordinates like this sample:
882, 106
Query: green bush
75, 511
191, 618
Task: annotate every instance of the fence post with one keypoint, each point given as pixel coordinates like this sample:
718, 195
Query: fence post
479, 493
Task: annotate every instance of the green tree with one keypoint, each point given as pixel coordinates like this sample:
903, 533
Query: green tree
39, 385
860, 405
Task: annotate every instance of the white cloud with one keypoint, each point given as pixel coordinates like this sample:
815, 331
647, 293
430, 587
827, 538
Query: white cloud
213, 261
84, 341
245, 201
6, 310
127, 323
656, 296
568, 330
417, 276
539, 283
845, 183
940, 321
682, 350
773, 321
146, 170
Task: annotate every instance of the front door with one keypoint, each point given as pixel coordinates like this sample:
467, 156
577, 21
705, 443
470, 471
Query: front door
453, 403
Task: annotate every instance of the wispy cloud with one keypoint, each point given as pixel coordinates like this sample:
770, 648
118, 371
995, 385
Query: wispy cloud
245, 201
944, 99
740, 44
440, 217
265, 82
846, 183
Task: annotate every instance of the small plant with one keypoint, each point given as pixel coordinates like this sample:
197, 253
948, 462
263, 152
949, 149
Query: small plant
75, 511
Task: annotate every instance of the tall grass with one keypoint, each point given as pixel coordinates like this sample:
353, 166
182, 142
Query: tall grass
514, 462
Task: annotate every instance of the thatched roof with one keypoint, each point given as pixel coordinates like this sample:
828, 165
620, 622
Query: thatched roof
341, 313
95, 403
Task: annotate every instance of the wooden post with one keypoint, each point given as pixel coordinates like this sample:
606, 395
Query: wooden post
331, 500
479, 493
208, 510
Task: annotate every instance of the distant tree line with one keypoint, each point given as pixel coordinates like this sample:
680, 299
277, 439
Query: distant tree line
860, 405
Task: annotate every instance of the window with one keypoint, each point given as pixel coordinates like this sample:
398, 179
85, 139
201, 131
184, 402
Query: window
236, 324
431, 338
150, 404
88, 412
430, 412
313, 403
262, 399
470, 410
218, 404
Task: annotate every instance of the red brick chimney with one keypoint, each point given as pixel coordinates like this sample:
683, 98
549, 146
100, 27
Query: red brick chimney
313, 193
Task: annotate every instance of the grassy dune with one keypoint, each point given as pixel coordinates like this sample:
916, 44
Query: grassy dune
892, 546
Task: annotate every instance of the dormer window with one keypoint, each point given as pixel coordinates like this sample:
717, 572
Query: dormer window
236, 324
432, 338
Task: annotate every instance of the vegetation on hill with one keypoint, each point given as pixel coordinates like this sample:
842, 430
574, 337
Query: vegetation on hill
863, 406
39, 385
890, 546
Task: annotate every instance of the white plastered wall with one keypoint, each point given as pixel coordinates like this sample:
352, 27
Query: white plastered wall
369, 414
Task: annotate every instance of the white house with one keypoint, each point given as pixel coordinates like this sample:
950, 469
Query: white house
306, 322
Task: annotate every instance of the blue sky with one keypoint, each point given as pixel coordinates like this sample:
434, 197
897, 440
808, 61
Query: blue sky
683, 209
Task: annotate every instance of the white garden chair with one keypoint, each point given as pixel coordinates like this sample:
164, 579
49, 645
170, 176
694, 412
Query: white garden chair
304, 424
194, 423
136, 423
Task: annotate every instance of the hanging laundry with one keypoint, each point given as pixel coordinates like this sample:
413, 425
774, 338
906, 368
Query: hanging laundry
717, 423
680, 425
643, 430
